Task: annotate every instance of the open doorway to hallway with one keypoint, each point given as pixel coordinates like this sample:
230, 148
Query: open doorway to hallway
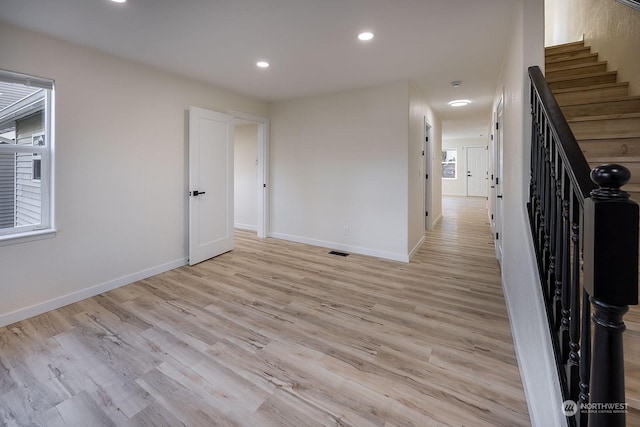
246, 175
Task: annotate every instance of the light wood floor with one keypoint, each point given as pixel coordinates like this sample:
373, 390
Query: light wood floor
278, 333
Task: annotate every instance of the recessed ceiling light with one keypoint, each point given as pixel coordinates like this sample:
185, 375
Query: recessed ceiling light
459, 103
262, 64
119, 1
366, 36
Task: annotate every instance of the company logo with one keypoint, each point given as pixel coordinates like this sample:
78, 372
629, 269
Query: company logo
569, 408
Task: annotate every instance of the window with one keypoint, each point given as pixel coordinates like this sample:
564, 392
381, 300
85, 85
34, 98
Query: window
449, 163
26, 156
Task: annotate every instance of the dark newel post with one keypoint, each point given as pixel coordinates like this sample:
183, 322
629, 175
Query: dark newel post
611, 280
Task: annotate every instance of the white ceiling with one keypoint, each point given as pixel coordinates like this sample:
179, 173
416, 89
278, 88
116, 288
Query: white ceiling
311, 44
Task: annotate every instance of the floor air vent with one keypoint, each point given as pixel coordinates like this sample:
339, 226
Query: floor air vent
338, 253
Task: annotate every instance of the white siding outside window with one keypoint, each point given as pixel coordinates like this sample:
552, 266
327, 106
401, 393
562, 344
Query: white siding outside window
26, 157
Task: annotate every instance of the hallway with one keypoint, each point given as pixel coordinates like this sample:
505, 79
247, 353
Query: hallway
280, 333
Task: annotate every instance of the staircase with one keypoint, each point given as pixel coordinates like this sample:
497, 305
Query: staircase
605, 120
603, 117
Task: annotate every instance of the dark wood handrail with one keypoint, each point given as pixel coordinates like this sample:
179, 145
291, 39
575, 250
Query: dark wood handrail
584, 231
579, 170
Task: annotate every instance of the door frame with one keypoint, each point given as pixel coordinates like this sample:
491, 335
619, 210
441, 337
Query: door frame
262, 186
427, 190
498, 180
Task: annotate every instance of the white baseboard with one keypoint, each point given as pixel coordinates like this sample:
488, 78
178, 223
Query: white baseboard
393, 256
246, 227
52, 304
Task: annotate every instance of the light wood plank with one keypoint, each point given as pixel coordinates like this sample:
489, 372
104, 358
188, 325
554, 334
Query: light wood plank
280, 333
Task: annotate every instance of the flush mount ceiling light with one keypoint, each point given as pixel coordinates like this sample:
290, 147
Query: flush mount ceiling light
262, 64
459, 103
365, 36
119, 1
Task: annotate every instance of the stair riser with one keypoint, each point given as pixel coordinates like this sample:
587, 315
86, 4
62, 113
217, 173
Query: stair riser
582, 60
567, 55
592, 68
611, 148
601, 108
583, 81
607, 125
592, 94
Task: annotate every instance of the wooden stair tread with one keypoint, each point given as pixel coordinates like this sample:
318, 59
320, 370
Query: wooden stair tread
579, 66
582, 76
590, 87
622, 159
568, 54
631, 188
604, 117
556, 61
608, 135
601, 101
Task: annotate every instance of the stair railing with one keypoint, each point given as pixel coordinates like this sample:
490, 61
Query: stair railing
585, 234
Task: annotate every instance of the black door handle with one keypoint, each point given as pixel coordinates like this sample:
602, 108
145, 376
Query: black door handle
197, 193
499, 197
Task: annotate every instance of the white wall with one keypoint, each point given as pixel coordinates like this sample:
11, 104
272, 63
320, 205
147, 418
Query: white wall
419, 109
246, 177
458, 186
519, 274
609, 27
121, 173
340, 160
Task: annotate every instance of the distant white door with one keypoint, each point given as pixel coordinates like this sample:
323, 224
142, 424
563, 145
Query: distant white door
477, 172
210, 184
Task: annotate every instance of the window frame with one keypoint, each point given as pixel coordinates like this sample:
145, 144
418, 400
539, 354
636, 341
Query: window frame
45, 153
447, 162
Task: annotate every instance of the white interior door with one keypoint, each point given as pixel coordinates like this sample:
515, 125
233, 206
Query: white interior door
477, 172
210, 184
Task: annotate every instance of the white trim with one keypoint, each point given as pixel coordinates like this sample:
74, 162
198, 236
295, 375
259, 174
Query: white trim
27, 236
416, 248
55, 303
393, 256
263, 190
245, 227
543, 404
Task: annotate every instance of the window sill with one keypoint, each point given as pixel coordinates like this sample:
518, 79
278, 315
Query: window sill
29, 236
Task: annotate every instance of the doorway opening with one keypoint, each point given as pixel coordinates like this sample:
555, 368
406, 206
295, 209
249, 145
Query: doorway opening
251, 173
